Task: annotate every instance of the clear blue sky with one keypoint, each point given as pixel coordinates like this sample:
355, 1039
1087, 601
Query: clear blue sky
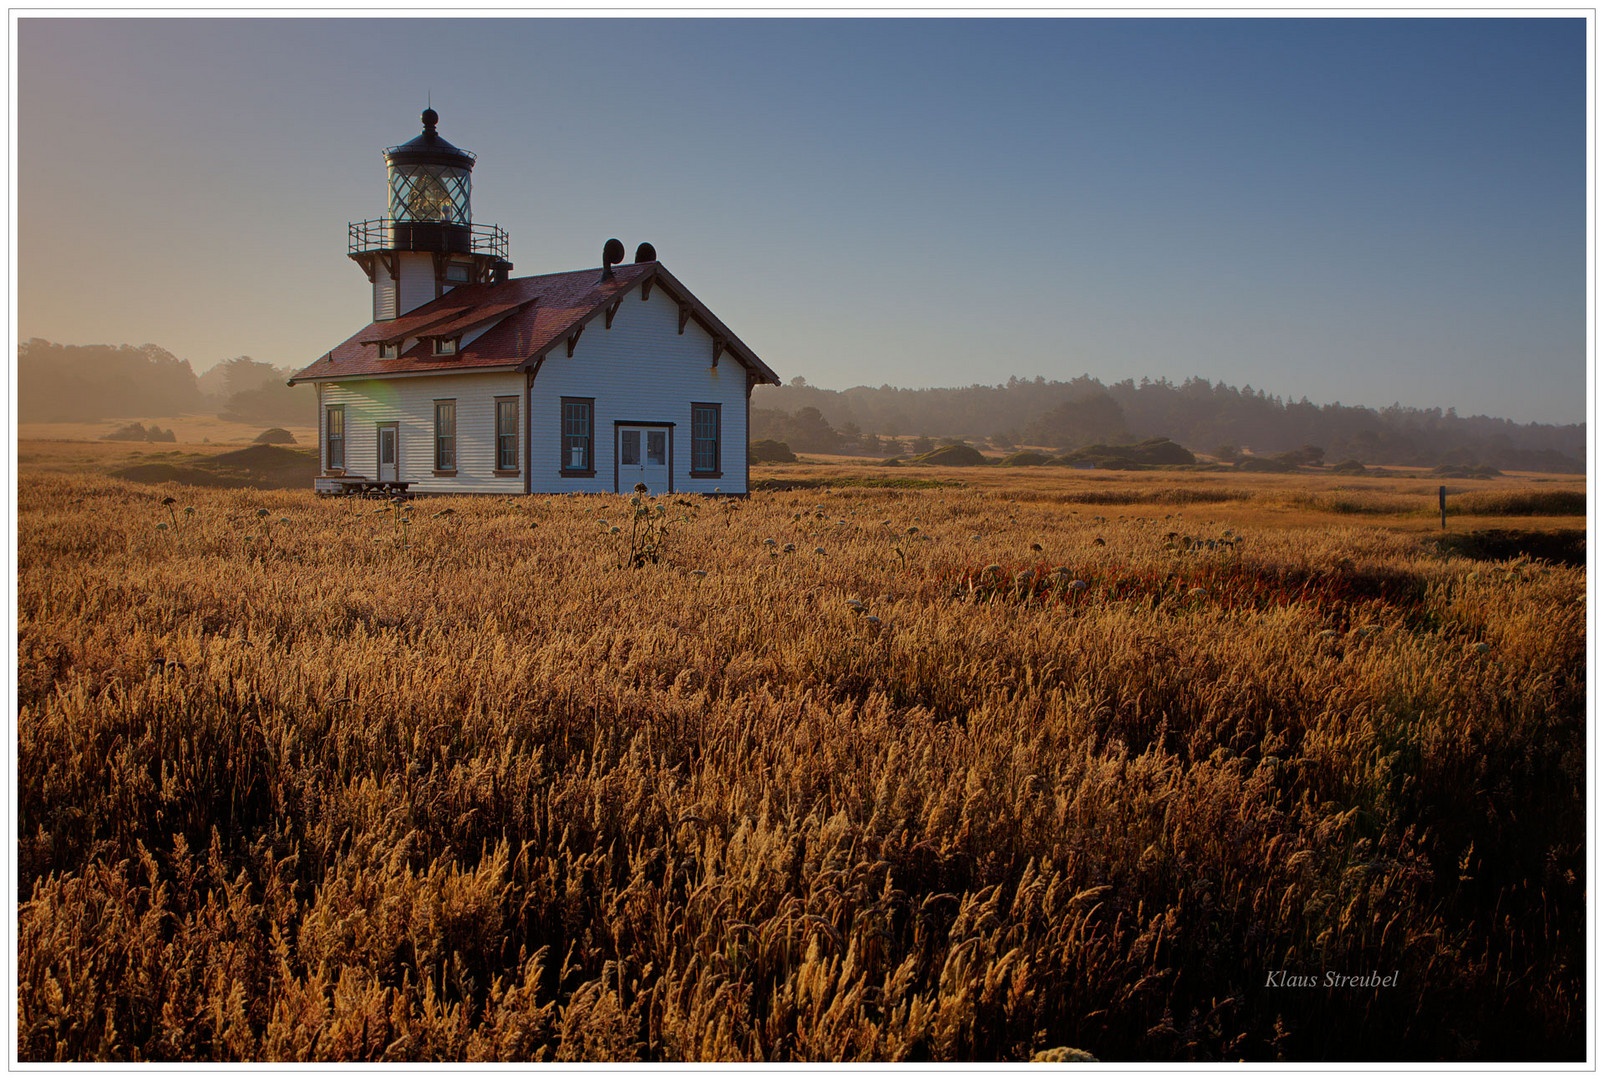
1363, 210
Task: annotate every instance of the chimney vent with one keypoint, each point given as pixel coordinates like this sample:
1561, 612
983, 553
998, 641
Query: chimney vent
612, 252
645, 253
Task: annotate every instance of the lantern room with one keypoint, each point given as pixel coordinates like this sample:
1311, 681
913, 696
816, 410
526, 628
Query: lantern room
427, 243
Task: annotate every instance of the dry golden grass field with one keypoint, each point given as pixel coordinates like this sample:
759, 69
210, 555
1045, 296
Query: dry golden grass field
1047, 764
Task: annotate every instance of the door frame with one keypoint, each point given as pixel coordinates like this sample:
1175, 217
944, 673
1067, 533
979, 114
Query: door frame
667, 424
378, 448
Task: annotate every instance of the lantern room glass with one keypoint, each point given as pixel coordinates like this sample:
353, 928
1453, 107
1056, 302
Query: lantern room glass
430, 193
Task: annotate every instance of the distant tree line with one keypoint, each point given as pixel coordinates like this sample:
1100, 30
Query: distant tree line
110, 382
1211, 418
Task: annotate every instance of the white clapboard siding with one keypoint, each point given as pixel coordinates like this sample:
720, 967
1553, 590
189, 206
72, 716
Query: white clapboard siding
641, 369
383, 292
409, 403
417, 280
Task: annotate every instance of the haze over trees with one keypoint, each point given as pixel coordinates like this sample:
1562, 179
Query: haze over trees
1205, 417
120, 382
114, 382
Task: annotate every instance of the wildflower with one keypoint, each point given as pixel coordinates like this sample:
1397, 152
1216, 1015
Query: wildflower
1198, 592
1035, 547
262, 512
161, 526
168, 500
913, 530
1480, 647
992, 568
698, 574
857, 605
283, 521
615, 530
189, 511
769, 541
874, 621
789, 548
818, 551
1078, 586
1099, 542
975, 537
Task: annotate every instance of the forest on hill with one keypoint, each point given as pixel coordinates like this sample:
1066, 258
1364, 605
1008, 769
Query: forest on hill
1209, 418
111, 382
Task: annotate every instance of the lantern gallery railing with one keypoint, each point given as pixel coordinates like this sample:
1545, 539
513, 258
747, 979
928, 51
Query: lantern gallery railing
388, 234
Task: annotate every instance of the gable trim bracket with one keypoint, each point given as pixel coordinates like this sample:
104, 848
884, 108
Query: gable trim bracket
612, 309
573, 339
718, 349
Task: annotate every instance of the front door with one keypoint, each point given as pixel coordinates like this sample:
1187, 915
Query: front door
643, 458
387, 462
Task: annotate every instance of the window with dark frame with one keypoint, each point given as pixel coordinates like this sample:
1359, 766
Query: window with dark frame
506, 434
704, 439
335, 425
389, 350
445, 436
578, 436
446, 346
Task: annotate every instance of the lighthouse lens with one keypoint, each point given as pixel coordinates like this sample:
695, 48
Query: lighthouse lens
429, 193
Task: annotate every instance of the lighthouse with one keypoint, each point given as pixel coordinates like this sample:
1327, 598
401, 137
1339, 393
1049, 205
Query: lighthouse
427, 243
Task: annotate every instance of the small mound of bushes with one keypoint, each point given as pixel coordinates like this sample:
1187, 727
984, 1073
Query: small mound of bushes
137, 432
1466, 472
770, 451
1025, 457
1264, 464
952, 454
1351, 467
275, 435
1151, 452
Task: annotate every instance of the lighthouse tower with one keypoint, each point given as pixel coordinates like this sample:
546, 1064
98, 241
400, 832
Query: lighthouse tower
427, 244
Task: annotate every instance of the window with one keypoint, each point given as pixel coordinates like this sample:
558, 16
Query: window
506, 435
578, 433
389, 350
445, 436
704, 440
459, 273
336, 437
445, 346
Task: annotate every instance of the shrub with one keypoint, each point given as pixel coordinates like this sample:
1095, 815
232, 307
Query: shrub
952, 454
275, 435
765, 451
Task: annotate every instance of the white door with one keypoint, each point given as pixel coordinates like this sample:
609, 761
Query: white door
387, 463
643, 458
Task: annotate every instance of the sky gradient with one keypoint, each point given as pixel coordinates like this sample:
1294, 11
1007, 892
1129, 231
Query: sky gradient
1363, 210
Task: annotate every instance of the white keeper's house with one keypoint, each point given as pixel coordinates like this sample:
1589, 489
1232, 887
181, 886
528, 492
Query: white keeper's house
470, 380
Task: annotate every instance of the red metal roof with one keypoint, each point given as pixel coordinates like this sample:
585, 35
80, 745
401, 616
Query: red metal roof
536, 314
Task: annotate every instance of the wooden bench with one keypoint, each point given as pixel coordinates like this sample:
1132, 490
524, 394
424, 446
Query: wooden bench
358, 485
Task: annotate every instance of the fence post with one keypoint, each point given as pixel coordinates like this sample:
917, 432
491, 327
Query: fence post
1442, 504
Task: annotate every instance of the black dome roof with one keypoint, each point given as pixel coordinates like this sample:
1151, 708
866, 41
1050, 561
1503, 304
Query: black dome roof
429, 148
